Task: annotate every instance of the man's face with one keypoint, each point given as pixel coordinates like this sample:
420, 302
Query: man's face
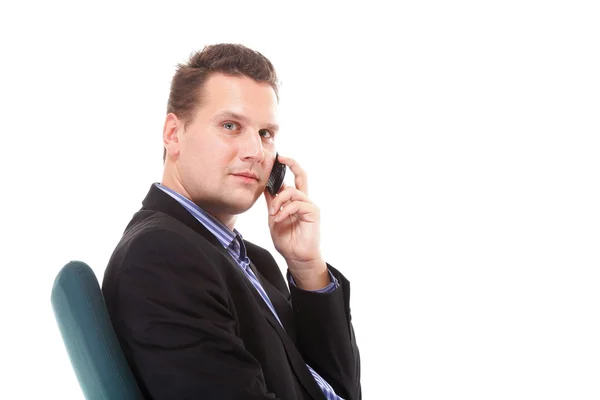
231, 133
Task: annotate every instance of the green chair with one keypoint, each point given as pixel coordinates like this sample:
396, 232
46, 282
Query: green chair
89, 337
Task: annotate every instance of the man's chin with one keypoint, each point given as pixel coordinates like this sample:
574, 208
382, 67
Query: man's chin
240, 206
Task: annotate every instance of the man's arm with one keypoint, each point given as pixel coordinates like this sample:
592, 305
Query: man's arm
326, 336
176, 327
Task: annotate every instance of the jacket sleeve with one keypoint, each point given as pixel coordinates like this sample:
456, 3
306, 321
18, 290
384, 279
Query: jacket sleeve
176, 327
326, 336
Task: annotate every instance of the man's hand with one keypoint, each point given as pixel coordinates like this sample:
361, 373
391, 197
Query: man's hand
295, 225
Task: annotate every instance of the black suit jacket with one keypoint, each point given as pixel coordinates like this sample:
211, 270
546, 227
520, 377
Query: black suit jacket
192, 326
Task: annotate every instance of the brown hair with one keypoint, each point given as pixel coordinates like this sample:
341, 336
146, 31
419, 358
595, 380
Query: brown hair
230, 59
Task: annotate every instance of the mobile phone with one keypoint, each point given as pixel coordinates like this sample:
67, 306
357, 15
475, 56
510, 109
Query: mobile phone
276, 178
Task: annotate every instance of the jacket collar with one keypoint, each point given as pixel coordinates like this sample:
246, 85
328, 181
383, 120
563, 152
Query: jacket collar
157, 200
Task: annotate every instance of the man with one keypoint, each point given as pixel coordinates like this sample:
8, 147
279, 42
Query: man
200, 312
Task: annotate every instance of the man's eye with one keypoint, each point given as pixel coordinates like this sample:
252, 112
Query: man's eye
265, 133
230, 126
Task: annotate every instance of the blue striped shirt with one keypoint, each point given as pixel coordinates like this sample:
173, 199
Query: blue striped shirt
234, 243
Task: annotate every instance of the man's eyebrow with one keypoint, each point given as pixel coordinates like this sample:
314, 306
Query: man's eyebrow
243, 118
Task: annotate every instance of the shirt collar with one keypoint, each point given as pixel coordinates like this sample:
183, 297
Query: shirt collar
216, 227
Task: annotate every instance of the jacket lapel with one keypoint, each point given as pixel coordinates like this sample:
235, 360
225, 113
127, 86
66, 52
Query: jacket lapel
287, 336
296, 360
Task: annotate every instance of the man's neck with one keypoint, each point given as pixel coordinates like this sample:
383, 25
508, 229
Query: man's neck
226, 219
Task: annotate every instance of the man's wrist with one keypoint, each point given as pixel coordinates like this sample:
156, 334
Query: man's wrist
311, 275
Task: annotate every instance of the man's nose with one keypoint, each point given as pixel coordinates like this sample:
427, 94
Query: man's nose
252, 146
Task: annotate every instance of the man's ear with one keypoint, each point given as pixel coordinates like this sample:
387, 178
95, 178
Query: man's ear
170, 139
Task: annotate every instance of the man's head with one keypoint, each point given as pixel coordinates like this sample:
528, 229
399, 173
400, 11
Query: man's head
221, 121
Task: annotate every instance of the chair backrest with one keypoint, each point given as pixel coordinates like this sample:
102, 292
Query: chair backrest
94, 351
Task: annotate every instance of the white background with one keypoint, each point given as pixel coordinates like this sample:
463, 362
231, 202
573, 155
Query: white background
453, 148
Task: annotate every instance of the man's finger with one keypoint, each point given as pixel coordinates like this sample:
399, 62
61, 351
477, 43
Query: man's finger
300, 179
